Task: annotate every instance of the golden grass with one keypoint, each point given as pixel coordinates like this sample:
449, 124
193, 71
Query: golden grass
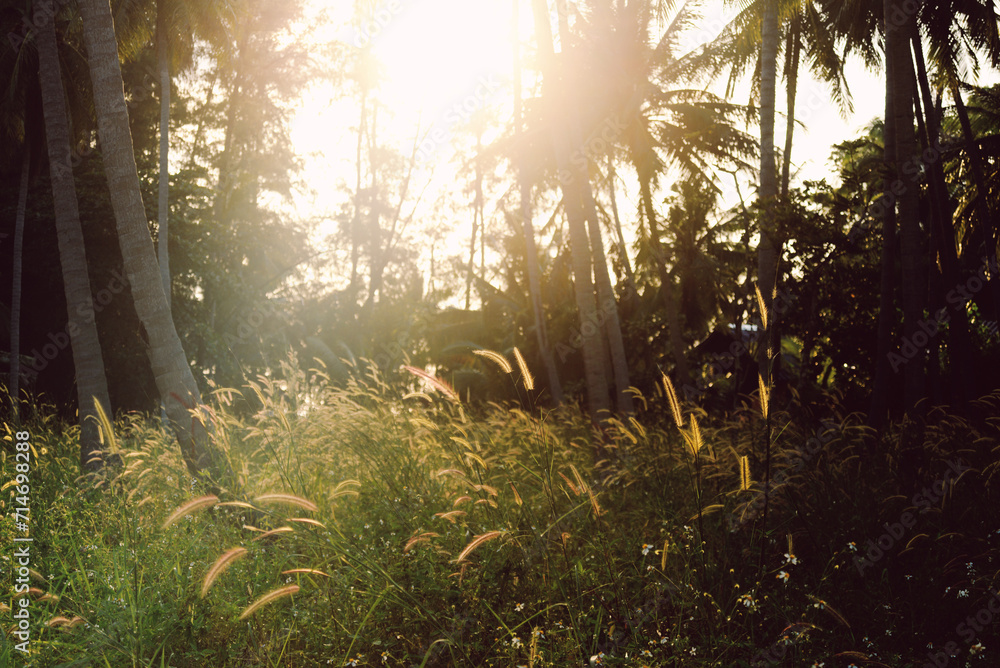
289, 499
307, 520
191, 506
529, 380
221, 564
744, 473
420, 538
764, 396
675, 406
438, 384
273, 532
476, 542
496, 358
304, 571
268, 598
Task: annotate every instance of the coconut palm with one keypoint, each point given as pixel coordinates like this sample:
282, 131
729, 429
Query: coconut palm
531, 251
174, 379
88, 361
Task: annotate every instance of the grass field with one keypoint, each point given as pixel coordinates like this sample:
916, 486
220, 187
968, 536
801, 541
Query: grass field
371, 527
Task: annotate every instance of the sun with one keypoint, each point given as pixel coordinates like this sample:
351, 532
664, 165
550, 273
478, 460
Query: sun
437, 53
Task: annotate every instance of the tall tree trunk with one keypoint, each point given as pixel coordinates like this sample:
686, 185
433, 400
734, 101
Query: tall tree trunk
608, 305
530, 249
670, 305
961, 347
88, 363
792, 50
477, 210
767, 250
14, 386
595, 371
171, 371
626, 264
163, 211
885, 374
911, 244
356, 218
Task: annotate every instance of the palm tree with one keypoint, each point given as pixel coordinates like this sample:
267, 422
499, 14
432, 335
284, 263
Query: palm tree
595, 367
177, 23
173, 376
531, 251
82, 329
807, 27
666, 123
899, 89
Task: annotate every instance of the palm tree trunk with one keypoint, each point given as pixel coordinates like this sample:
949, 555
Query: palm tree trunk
626, 264
14, 387
608, 305
911, 244
767, 251
81, 329
594, 366
477, 207
531, 251
884, 377
171, 371
792, 50
666, 286
960, 344
163, 212
356, 218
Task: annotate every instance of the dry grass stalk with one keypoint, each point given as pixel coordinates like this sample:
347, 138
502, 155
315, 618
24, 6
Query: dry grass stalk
289, 499
476, 542
744, 473
191, 506
529, 380
268, 598
221, 564
304, 571
760, 304
496, 358
675, 406
307, 520
438, 384
420, 538
273, 532
764, 396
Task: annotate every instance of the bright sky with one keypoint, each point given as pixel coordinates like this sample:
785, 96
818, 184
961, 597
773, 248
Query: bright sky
445, 58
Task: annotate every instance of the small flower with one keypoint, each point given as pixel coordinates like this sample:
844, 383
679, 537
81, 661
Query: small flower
783, 576
519, 607
963, 593
515, 642
820, 604
818, 664
791, 559
647, 653
646, 547
852, 546
976, 649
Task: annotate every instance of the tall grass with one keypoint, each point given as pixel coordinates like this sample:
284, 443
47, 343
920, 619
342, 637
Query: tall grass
371, 524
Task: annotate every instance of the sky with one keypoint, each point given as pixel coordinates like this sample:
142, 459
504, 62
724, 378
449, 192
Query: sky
443, 59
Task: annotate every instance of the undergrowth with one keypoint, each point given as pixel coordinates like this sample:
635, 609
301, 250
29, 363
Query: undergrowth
369, 525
